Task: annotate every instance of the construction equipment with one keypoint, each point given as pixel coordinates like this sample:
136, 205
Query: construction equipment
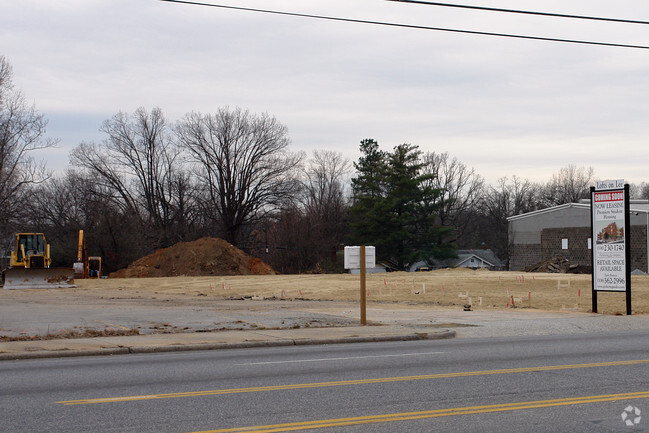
29, 267
94, 267
84, 266
81, 264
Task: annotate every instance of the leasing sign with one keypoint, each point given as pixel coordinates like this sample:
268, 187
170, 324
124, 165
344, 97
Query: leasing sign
609, 270
610, 238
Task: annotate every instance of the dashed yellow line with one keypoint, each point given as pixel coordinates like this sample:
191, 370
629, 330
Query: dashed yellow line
406, 416
349, 382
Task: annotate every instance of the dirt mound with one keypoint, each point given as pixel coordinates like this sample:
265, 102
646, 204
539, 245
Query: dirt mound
203, 257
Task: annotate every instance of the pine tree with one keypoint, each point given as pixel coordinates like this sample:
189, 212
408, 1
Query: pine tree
368, 191
393, 209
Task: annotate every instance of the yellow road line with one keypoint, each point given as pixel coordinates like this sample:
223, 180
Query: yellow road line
406, 416
350, 382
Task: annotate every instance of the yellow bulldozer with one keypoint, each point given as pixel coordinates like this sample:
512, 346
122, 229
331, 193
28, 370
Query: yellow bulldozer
29, 266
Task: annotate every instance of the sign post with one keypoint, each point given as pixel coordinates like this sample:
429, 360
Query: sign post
363, 293
361, 258
610, 230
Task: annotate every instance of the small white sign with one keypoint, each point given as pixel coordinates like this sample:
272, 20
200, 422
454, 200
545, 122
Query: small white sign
353, 257
609, 184
564, 244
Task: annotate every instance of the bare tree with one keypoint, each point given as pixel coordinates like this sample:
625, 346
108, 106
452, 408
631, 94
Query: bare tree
324, 184
22, 131
5, 78
326, 204
569, 185
288, 246
512, 197
460, 190
509, 197
75, 201
639, 191
242, 165
139, 163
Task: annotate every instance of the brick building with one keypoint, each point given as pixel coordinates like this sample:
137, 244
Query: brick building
564, 230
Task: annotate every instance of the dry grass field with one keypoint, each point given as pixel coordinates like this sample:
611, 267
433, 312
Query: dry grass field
452, 288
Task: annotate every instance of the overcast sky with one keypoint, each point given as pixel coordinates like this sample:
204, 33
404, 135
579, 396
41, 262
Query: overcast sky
503, 106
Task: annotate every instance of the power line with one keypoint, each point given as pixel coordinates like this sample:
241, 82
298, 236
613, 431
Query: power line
408, 26
516, 11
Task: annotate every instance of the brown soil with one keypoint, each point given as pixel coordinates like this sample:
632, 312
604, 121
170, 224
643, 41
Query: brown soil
203, 257
88, 333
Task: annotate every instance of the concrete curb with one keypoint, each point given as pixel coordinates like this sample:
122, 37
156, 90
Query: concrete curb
65, 353
62, 353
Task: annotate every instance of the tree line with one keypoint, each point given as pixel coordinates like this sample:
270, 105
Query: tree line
231, 174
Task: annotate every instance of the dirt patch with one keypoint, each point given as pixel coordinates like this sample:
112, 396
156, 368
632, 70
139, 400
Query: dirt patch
86, 333
203, 257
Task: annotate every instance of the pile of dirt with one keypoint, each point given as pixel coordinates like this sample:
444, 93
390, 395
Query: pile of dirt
555, 265
203, 257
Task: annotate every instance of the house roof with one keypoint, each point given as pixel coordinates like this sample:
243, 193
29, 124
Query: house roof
487, 256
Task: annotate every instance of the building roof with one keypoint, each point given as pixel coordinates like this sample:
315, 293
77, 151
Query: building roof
637, 206
549, 209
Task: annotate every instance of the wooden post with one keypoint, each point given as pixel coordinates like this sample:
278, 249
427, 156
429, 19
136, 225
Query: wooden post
363, 293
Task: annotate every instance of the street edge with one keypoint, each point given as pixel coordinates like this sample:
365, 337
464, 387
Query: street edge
447, 334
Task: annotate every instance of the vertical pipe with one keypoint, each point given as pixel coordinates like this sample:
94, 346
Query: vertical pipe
627, 246
593, 245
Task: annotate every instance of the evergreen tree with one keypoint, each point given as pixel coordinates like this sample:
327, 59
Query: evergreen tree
368, 190
370, 168
393, 208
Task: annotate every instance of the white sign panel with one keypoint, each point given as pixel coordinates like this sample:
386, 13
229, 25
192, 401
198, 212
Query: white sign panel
609, 184
609, 258
353, 257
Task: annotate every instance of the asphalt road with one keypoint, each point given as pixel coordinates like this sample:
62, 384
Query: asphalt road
578, 383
